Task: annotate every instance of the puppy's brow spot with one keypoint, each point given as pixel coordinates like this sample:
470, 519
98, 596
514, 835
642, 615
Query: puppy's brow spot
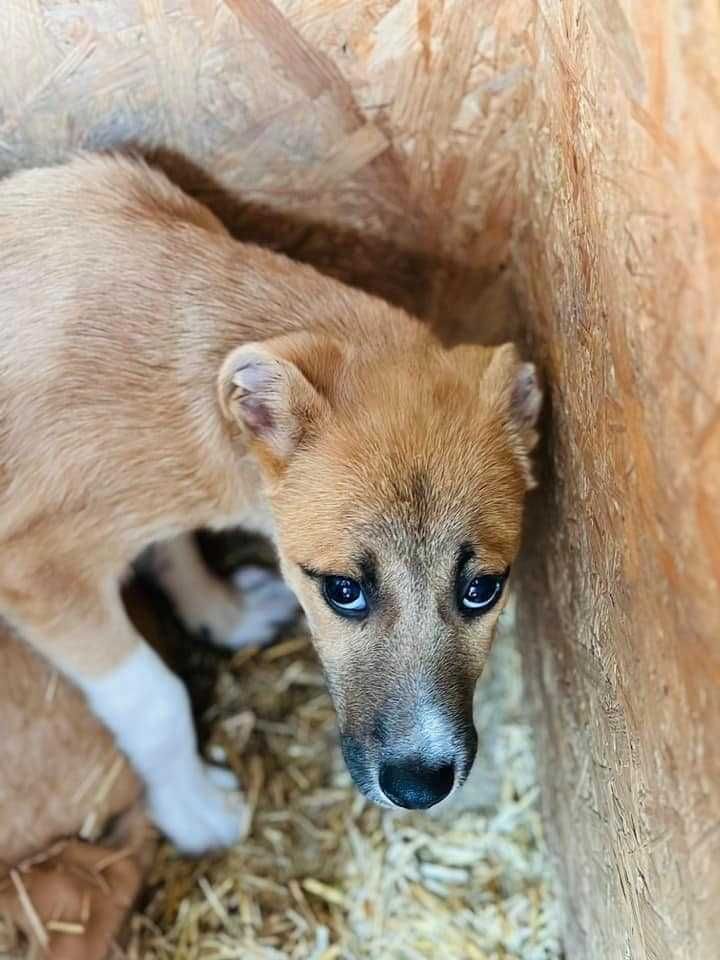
367, 565
464, 556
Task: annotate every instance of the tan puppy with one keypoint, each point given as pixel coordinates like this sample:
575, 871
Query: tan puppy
157, 376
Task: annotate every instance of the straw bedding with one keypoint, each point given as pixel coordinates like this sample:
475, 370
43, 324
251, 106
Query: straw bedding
326, 876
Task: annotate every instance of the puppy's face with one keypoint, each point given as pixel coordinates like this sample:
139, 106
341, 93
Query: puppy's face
397, 495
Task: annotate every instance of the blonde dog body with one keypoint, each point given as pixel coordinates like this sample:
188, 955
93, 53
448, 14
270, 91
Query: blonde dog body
156, 376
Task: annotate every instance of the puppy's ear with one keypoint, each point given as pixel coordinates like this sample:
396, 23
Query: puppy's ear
515, 394
263, 388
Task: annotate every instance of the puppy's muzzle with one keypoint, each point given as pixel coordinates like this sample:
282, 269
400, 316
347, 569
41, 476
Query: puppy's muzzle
414, 771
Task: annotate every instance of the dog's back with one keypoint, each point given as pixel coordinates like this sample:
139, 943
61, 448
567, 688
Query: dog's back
90, 256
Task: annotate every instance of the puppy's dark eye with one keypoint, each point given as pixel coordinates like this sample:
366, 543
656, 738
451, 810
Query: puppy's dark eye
345, 596
481, 594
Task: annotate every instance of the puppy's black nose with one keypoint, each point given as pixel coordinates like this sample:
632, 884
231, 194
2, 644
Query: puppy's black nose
414, 785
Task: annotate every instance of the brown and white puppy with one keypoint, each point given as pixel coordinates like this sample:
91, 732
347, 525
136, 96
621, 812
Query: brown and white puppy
156, 376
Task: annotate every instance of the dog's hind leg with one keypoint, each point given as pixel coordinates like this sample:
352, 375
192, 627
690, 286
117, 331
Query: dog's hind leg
246, 610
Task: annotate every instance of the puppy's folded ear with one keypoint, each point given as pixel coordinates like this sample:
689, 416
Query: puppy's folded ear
515, 394
264, 389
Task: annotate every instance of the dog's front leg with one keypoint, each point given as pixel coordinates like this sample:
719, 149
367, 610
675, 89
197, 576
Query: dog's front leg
247, 610
147, 708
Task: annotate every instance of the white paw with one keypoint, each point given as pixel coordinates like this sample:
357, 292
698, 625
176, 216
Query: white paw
248, 611
200, 813
218, 611
267, 605
222, 777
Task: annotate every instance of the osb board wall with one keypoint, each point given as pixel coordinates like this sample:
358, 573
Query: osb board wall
618, 257
444, 153
370, 138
